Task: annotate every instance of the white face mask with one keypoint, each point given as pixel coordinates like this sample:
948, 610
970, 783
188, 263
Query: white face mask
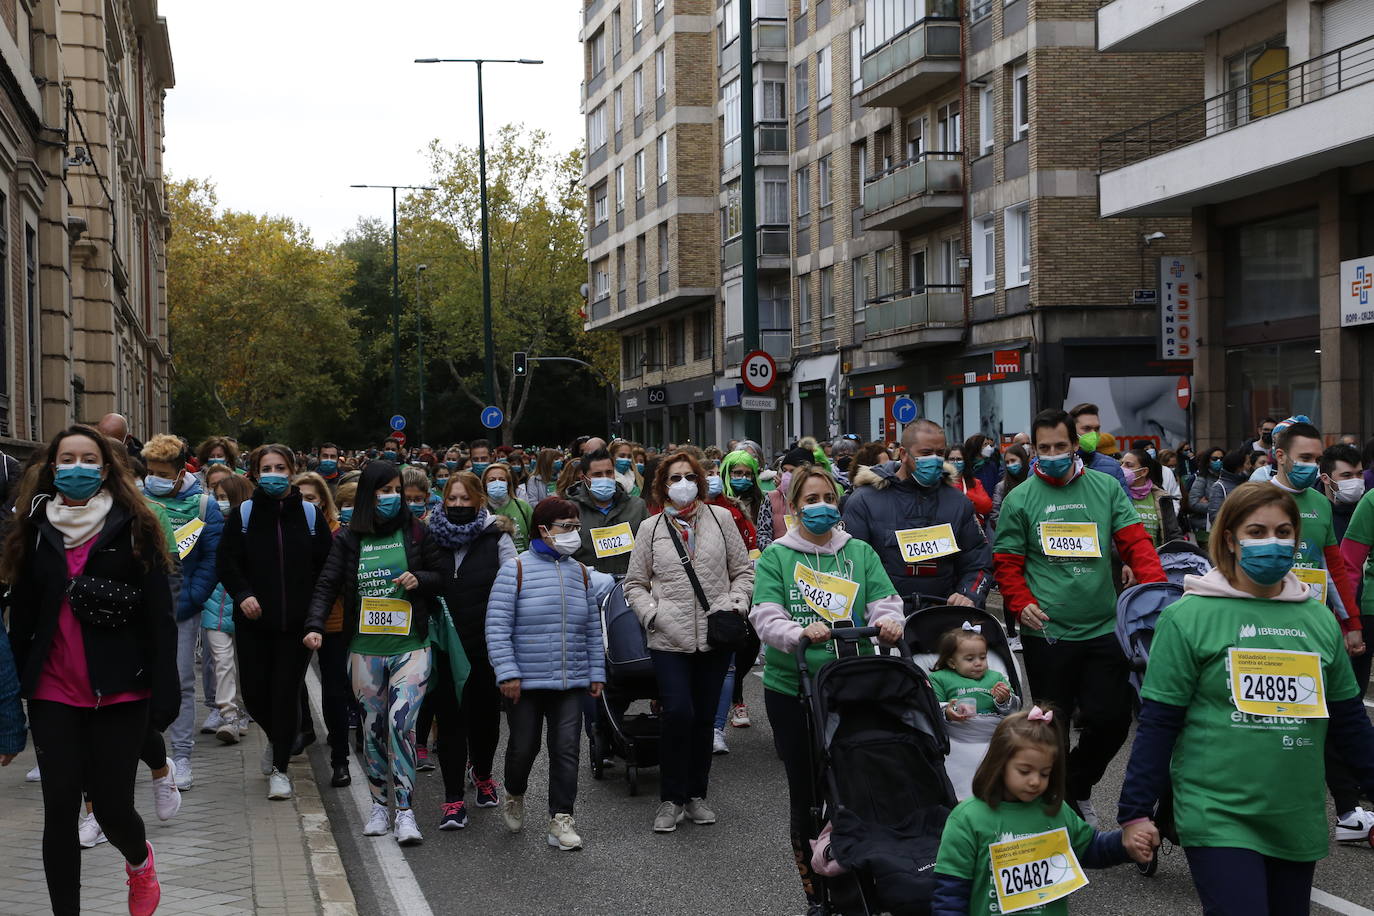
987, 451
683, 493
567, 542
1349, 491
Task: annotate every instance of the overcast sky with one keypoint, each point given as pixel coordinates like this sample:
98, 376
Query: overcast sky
285, 103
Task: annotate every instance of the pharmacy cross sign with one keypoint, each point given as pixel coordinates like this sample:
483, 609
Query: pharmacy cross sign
1364, 281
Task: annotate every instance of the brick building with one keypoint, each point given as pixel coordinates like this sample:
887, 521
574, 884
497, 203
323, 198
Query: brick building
1271, 158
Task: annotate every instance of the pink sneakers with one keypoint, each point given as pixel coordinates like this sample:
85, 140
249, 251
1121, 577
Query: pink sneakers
144, 891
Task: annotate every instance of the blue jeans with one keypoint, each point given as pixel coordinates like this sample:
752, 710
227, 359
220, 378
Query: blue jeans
182, 732
727, 694
688, 692
1241, 881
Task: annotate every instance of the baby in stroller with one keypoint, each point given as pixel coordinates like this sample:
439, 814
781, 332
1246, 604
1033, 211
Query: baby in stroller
975, 698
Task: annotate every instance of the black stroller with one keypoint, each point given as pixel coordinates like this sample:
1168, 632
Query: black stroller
1137, 613
878, 745
612, 730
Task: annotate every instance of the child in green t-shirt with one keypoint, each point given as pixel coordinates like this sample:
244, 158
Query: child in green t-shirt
1015, 844
975, 699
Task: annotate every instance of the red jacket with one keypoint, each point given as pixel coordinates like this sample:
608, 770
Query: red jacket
982, 502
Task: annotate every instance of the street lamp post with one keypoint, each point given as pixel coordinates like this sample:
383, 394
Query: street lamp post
395, 291
420, 351
482, 191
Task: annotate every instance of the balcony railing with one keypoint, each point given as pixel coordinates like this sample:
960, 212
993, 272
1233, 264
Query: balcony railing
770, 137
909, 309
928, 173
1301, 84
772, 244
601, 308
932, 37
777, 343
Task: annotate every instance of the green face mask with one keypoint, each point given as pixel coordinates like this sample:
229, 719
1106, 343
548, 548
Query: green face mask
1088, 441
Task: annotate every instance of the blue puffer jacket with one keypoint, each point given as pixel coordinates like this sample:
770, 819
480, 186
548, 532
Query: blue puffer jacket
218, 611
549, 634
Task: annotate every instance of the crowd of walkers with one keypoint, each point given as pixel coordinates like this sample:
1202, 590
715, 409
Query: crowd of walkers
440, 588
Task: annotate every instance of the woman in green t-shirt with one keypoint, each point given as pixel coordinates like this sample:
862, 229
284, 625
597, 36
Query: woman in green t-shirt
386, 568
1143, 484
501, 500
1248, 675
812, 578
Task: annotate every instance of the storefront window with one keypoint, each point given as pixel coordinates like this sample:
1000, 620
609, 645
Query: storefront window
1272, 380
1271, 270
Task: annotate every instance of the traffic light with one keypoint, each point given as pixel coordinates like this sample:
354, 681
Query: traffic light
521, 367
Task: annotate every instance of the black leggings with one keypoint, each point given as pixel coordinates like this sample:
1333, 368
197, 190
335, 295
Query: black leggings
336, 694
792, 740
152, 749
271, 670
96, 750
745, 658
468, 731
1242, 882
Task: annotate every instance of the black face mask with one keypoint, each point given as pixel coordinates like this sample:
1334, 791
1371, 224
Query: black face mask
1267, 438
460, 515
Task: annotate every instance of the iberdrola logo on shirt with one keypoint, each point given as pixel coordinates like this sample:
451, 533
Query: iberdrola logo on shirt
1249, 630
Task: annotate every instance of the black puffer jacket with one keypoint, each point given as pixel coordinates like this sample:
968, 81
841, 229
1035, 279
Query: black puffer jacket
339, 579
276, 561
139, 656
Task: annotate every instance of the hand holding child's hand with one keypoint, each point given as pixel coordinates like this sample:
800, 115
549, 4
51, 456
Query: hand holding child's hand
955, 714
1140, 839
1001, 692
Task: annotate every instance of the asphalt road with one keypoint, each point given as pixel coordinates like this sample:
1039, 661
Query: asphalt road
742, 865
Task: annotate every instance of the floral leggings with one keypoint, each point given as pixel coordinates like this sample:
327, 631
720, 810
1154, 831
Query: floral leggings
390, 689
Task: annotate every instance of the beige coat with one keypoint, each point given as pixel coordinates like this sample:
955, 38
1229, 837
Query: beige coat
661, 595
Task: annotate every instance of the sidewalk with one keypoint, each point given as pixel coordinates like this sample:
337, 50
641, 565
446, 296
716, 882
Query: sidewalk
205, 860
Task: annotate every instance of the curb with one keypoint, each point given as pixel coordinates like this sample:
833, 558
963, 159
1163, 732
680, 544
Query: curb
331, 881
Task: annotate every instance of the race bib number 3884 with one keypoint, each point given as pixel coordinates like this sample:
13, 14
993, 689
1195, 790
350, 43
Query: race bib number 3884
384, 617
1034, 870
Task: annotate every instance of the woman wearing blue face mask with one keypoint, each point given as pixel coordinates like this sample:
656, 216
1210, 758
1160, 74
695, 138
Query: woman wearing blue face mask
1213, 705
501, 500
626, 474
386, 568
268, 560
814, 553
1199, 494
229, 722
966, 481
218, 451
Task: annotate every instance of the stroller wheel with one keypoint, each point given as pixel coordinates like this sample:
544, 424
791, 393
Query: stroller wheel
598, 758
1371, 837
632, 774
1149, 868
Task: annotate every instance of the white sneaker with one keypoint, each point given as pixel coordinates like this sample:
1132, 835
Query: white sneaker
718, 745
244, 721
407, 832
1085, 809
181, 767
513, 811
212, 723
89, 832
1355, 827
266, 763
278, 785
228, 731
562, 834
379, 824
1014, 644
33, 775
166, 795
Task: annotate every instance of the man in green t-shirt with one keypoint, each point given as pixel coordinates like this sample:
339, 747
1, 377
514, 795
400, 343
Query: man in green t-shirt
1053, 566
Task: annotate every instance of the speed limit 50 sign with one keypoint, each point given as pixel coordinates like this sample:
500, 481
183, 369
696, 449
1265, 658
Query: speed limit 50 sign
758, 371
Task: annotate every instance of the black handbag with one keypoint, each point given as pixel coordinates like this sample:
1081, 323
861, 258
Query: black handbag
105, 603
725, 629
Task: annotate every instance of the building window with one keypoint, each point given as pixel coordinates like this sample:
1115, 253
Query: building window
660, 72
731, 225
823, 78
620, 187
804, 193
653, 348
885, 274
1016, 232
775, 201
631, 356
949, 262
979, 10
800, 87
827, 293
615, 30
1020, 102
987, 118
641, 258
860, 171
731, 136
619, 100
662, 150
638, 16
984, 256
677, 342
639, 173
620, 270
601, 281
598, 52
596, 128
915, 138
803, 309
639, 91
663, 247
948, 128
1246, 98
857, 291
702, 338
729, 22
599, 209
774, 100
823, 172
856, 57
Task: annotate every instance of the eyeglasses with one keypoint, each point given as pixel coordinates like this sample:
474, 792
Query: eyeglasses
674, 478
567, 526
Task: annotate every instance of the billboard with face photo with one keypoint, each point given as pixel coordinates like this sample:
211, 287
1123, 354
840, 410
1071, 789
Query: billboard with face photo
1134, 407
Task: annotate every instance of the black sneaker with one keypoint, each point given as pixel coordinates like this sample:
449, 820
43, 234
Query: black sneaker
454, 816
487, 796
341, 776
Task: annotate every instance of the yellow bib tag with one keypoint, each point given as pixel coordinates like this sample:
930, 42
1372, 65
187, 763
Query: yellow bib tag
1035, 870
384, 617
755, 554
830, 596
790, 521
931, 543
1277, 682
613, 540
187, 535
1070, 539
1316, 579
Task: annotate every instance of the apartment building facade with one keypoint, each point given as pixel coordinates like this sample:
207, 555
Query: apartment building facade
942, 239
1272, 160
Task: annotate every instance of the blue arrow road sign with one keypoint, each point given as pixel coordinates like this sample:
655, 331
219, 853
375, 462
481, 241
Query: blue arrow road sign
398, 423
904, 410
492, 418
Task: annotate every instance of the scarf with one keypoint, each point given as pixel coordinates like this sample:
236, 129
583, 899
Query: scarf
538, 545
1141, 488
79, 524
451, 536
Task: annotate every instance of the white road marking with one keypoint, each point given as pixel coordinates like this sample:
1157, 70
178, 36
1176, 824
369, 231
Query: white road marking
400, 882
1338, 904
